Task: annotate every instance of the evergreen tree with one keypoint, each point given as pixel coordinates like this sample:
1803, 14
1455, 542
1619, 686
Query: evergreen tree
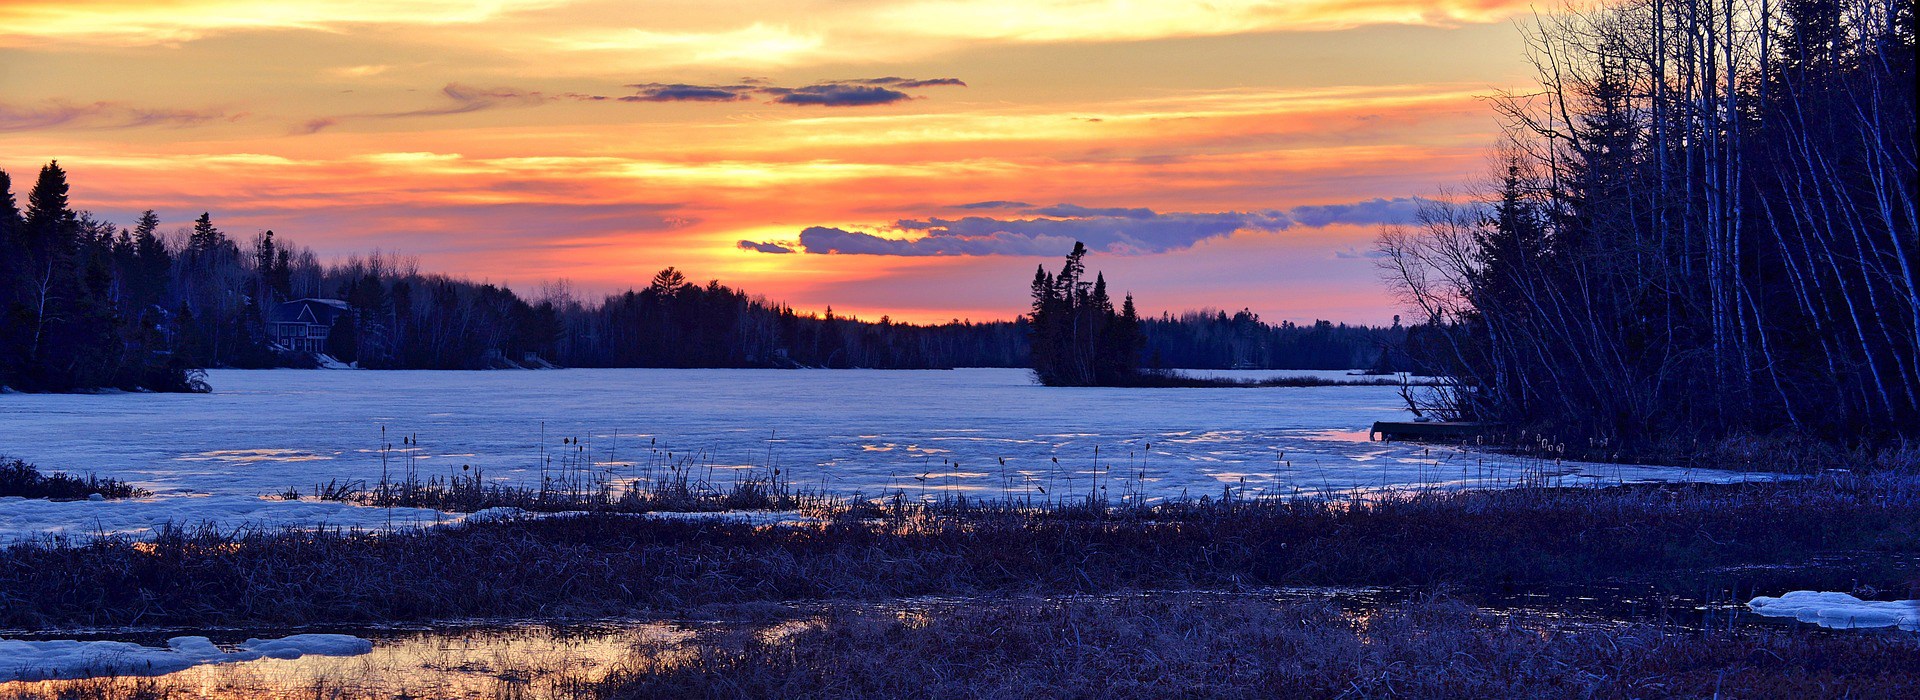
1077, 338
205, 238
272, 266
1045, 323
153, 264
667, 283
13, 277
343, 339
50, 235
1712, 237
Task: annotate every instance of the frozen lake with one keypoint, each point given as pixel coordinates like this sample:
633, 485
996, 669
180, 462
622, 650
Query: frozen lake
212, 457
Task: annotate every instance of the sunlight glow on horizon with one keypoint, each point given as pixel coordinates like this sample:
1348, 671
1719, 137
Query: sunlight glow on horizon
539, 140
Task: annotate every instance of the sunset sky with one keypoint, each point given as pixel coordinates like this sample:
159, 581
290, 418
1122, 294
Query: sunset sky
907, 157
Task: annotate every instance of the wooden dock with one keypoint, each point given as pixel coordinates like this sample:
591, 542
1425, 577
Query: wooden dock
1438, 431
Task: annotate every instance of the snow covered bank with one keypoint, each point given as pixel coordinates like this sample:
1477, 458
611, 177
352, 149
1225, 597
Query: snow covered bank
31, 518
1839, 610
28, 518
64, 659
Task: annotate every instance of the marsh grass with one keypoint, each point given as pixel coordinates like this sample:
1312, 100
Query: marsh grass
18, 478
1176, 648
682, 489
1169, 379
1781, 453
571, 480
574, 478
112, 688
1693, 538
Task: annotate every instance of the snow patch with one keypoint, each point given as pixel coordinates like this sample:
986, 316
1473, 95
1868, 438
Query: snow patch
330, 362
750, 517
496, 513
1839, 610
67, 659
29, 518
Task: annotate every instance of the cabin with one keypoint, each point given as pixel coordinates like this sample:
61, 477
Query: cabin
302, 325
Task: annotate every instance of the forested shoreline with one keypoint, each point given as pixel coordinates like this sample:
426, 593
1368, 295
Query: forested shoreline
1702, 230
86, 303
1080, 337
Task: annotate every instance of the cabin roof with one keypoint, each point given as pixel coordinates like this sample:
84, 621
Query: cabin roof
320, 311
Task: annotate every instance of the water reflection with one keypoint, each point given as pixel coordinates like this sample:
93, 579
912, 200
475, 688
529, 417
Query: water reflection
489, 660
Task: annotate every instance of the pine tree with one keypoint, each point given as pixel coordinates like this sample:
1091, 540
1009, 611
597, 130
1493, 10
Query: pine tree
13, 277
668, 282
49, 241
9, 208
205, 238
272, 267
1077, 338
153, 263
1046, 335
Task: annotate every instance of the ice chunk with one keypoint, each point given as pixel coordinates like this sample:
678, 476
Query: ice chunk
1840, 610
296, 645
194, 646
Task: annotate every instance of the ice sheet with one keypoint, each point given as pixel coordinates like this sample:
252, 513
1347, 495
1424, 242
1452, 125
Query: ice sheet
981, 432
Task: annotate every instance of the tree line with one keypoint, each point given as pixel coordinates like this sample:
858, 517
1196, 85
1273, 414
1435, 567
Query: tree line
1079, 338
1702, 227
86, 303
74, 295
1213, 339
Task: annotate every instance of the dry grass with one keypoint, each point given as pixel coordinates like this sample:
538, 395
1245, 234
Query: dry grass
1172, 646
678, 493
1169, 379
18, 478
1156, 648
1695, 539
573, 480
1781, 453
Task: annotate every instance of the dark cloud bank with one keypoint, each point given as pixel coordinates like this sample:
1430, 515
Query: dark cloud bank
1053, 230
461, 98
834, 93
54, 114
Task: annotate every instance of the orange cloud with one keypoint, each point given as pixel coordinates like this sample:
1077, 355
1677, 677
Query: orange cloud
1129, 20
676, 34
63, 114
32, 22
490, 138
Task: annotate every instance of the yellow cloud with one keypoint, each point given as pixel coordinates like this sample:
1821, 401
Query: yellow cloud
364, 71
792, 33
753, 45
32, 22
1129, 20
668, 34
